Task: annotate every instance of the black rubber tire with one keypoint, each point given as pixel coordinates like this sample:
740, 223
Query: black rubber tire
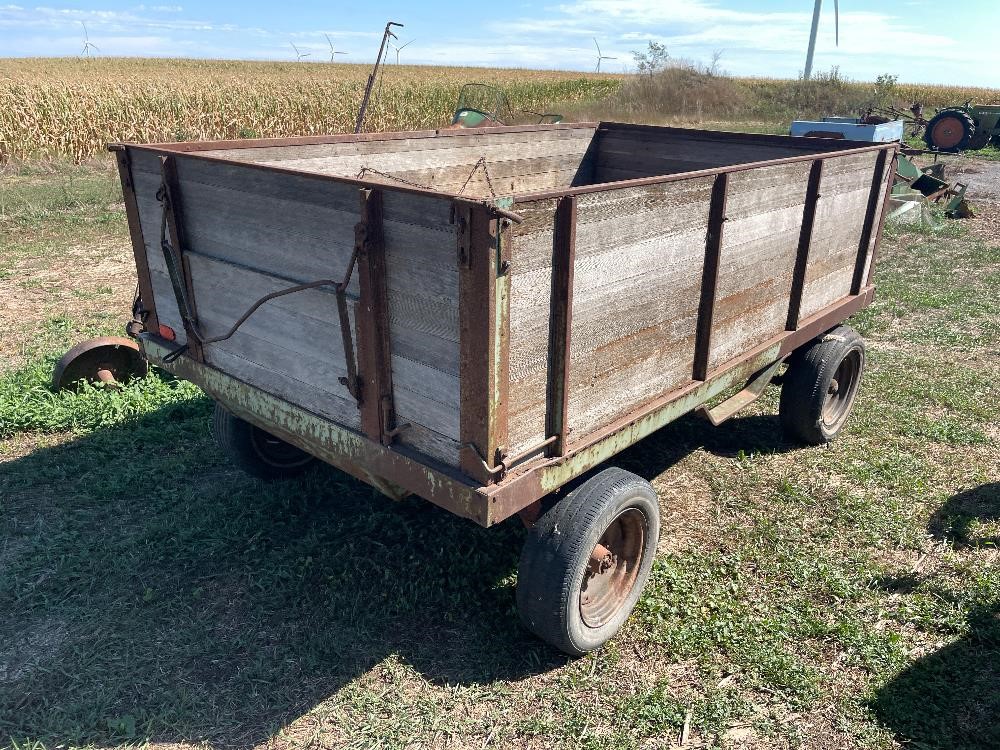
995, 141
255, 451
813, 407
967, 123
554, 561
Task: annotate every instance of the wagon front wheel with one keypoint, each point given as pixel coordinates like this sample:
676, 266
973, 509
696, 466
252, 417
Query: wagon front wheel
256, 451
821, 385
586, 561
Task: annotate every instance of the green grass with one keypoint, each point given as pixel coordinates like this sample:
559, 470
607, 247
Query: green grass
843, 596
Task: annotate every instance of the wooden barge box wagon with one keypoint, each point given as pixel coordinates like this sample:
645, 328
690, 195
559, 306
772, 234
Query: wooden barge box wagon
480, 317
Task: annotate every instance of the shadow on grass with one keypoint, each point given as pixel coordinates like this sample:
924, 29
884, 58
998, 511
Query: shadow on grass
956, 520
950, 699
155, 593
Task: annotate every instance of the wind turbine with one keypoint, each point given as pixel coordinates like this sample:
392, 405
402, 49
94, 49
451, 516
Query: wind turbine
87, 44
333, 52
812, 34
602, 56
400, 48
298, 55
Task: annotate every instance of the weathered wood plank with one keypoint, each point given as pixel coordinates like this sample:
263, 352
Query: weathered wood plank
294, 391
836, 233
430, 443
469, 141
166, 305
426, 380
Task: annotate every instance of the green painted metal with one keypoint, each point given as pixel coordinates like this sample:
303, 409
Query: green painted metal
986, 118
389, 471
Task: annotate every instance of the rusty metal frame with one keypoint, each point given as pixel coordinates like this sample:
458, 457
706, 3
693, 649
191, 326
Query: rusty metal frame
484, 340
145, 280
178, 241
561, 325
805, 241
871, 214
881, 221
371, 318
710, 276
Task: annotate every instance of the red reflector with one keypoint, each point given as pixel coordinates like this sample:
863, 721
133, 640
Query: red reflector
167, 333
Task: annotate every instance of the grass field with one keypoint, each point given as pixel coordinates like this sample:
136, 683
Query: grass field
845, 597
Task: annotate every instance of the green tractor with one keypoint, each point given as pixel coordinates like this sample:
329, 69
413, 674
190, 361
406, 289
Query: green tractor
483, 106
964, 128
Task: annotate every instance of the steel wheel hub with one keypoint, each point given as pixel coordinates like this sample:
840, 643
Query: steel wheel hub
948, 133
843, 387
109, 359
613, 568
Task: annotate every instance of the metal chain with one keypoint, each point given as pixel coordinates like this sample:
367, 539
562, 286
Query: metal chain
486, 172
479, 164
370, 170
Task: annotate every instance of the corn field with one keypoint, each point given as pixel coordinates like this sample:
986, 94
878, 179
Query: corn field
74, 107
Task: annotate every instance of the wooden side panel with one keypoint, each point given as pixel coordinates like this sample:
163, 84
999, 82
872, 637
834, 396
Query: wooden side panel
840, 216
764, 211
515, 162
530, 298
636, 286
290, 343
422, 281
251, 231
637, 282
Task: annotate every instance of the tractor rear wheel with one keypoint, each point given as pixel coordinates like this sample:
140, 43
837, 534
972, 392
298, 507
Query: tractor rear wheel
996, 141
950, 130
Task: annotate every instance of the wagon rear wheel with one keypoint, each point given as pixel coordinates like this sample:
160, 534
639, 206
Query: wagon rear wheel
256, 451
821, 385
586, 561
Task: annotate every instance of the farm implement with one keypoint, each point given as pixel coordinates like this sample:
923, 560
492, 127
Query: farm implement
488, 343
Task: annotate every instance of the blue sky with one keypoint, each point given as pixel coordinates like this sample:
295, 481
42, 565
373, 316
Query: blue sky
918, 40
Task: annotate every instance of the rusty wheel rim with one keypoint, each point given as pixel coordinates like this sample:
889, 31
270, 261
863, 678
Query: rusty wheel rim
613, 568
277, 452
110, 360
843, 387
948, 132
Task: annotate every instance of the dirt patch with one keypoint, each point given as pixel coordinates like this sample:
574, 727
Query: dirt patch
83, 283
688, 511
982, 177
